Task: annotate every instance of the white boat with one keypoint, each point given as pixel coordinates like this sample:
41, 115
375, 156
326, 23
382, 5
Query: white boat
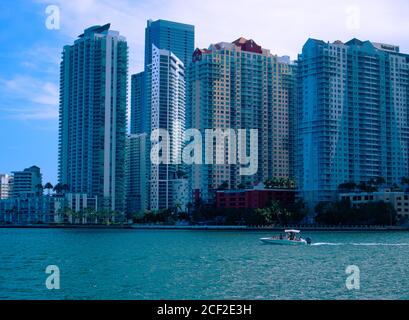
290, 239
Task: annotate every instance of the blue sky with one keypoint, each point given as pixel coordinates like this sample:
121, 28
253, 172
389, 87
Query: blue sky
30, 53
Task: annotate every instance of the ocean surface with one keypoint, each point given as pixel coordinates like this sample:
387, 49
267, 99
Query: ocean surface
165, 264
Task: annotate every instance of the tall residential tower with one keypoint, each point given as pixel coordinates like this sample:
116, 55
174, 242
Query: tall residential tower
92, 133
168, 50
353, 123
168, 113
240, 85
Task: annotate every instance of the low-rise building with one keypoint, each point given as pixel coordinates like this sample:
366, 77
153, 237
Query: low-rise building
398, 199
76, 203
34, 209
27, 209
26, 183
253, 198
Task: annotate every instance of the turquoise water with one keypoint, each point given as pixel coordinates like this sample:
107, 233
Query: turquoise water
156, 264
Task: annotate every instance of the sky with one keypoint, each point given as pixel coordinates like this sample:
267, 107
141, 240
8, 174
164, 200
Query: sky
30, 51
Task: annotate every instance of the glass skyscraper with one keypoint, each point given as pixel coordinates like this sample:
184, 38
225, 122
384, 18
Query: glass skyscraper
92, 132
352, 116
137, 98
173, 42
179, 38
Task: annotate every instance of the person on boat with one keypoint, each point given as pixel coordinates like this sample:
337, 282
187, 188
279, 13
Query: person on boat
281, 236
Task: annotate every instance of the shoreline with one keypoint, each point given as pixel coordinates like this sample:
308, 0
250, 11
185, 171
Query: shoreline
213, 228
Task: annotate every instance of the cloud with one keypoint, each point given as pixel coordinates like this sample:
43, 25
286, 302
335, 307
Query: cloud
26, 114
127, 17
38, 99
43, 59
282, 26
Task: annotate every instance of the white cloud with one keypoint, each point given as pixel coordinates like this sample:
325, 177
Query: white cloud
38, 99
128, 17
25, 114
282, 26
42, 58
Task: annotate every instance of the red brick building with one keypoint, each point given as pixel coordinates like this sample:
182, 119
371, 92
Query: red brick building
253, 199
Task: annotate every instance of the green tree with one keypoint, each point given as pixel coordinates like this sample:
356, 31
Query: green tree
58, 188
68, 214
48, 186
347, 186
223, 186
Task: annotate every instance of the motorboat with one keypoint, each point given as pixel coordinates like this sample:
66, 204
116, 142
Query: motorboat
291, 238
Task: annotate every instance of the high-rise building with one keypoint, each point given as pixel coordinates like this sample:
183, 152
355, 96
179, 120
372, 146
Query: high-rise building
352, 116
137, 174
235, 86
26, 182
168, 104
138, 112
179, 38
93, 116
5, 186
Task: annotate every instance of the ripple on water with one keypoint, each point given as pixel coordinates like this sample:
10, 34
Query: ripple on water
123, 264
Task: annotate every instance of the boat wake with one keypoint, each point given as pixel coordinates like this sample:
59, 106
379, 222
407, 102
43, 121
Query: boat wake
369, 244
327, 244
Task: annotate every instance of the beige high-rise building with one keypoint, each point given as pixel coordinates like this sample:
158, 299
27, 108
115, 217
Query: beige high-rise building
240, 85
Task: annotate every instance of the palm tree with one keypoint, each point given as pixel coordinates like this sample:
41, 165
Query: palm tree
76, 215
291, 183
88, 213
93, 214
58, 188
177, 207
49, 187
104, 215
69, 213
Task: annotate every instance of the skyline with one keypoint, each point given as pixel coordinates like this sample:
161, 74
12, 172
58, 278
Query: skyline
30, 54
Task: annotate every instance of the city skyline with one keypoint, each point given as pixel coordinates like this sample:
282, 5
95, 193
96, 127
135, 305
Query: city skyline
30, 64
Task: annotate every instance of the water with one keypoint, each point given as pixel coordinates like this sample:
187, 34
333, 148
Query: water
156, 264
